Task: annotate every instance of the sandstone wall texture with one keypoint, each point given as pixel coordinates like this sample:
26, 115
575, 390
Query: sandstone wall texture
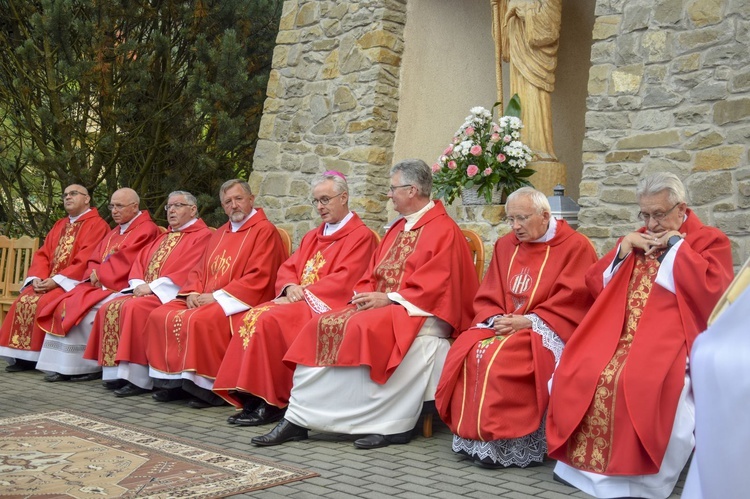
332, 103
669, 90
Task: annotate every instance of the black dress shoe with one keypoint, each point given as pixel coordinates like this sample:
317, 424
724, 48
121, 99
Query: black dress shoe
197, 403
130, 390
55, 377
20, 365
284, 432
87, 377
376, 441
263, 414
234, 417
487, 463
169, 394
114, 384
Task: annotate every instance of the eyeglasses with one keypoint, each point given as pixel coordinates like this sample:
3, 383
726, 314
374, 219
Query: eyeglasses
176, 206
521, 219
324, 200
394, 187
71, 194
658, 216
118, 207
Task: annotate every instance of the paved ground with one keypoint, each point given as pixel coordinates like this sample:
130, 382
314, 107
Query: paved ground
424, 468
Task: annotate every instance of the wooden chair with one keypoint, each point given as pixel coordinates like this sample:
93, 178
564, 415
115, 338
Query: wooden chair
163, 230
477, 252
286, 239
5, 250
740, 282
21, 252
377, 236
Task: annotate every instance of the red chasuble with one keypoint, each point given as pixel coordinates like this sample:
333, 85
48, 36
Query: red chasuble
626, 361
244, 265
117, 334
429, 265
112, 261
65, 251
495, 387
328, 266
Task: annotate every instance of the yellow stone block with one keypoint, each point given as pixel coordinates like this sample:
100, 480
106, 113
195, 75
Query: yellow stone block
719, 158
606, 27
378, 38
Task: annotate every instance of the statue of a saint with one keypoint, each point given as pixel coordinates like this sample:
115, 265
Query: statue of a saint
529, 32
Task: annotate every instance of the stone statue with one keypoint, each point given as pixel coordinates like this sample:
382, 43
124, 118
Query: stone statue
529, 34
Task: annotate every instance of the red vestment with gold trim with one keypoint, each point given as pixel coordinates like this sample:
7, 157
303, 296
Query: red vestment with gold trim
65, 251
328, 266
627, 359
118, 333
243, 264
429, 265
112, 261
495, 387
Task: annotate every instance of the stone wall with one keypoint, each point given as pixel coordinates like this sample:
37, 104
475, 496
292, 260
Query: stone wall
669, 90
332, 103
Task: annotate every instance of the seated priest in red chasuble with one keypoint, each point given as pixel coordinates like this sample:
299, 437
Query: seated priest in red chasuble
621, 411
68, 320
117, 341
369, 367
317, 278
57, 266
186, 338
493, 391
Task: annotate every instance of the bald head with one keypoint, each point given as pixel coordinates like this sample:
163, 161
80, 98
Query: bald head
76, 199
124, 205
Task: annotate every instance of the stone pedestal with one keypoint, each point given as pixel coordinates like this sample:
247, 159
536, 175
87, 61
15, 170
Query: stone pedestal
548, 175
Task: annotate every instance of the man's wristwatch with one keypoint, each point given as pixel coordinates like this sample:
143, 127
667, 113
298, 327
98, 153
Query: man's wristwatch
673, 240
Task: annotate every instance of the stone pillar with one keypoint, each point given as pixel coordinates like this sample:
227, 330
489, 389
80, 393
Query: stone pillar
332, 103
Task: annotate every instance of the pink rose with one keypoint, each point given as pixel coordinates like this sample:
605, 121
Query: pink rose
436, 168
476, 150
495, 128
451, 165
469, 131
494, 137
507, 139
501, 158
448, 150
487, 171
472, 170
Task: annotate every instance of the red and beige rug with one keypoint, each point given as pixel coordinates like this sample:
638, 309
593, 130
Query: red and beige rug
64, 454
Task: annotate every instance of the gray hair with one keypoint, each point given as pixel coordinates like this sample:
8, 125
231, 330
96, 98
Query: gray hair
659, 182
231, 183
339, 183
538, 200
189, 197
415, 172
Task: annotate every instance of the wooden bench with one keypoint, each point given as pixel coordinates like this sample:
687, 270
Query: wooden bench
15, 260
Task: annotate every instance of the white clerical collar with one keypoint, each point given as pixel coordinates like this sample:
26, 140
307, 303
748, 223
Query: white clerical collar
74, 218
183, 227
236, 225
332, 228
124, 227
550, 231
411, 220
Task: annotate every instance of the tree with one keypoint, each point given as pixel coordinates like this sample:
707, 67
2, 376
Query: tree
155, 95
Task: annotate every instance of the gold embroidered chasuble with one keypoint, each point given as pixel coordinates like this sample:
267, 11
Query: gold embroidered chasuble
111, 325
389, 275
26, 305
590, 447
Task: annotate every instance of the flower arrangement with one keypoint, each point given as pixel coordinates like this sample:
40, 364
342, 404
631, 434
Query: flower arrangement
484, 154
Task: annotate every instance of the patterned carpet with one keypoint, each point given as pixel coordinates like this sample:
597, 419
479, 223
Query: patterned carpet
67, 454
